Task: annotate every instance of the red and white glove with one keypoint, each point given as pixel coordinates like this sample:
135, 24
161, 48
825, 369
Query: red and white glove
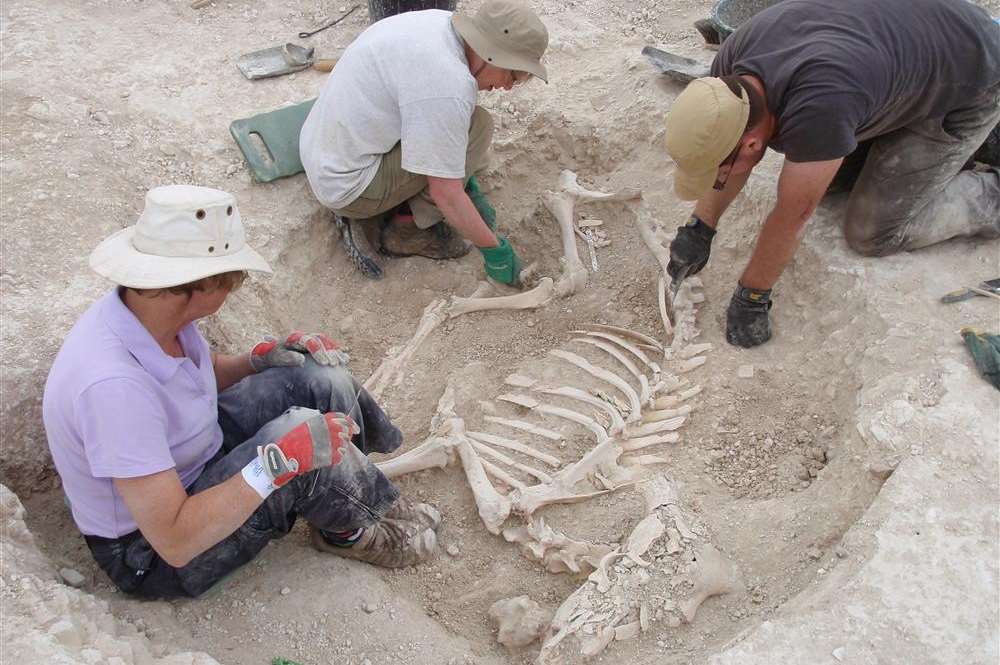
314, 444
292, 351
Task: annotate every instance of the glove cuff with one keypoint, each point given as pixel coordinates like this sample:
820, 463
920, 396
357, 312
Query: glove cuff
700, 228
752, 297
502, 252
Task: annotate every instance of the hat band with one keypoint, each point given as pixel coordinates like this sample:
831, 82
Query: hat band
185, 249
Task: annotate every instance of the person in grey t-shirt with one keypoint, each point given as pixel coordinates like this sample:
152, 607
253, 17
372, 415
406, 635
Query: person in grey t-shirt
397, 123
907, 88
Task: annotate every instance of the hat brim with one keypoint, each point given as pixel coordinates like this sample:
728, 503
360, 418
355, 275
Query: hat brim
117, 260
691, 186
488, 50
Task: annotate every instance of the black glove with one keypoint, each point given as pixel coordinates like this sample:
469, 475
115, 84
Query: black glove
690, 247
747, 323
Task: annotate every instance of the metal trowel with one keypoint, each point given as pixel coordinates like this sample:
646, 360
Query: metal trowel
280, 60
677, 67
675, 286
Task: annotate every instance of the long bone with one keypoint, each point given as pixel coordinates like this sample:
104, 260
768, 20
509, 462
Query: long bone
560, 203
530, 299
390, 371
644, 393
604, 375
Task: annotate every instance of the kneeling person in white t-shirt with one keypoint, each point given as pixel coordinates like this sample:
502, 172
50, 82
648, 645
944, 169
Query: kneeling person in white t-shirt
396, 130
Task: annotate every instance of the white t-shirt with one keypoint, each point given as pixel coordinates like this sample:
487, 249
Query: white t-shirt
405, 79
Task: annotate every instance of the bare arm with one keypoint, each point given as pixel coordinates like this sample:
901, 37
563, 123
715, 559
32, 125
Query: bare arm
450, 198
230, 370
800, 188
178, 526
711, 206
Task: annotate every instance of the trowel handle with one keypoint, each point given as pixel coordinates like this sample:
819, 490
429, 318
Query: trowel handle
324, 65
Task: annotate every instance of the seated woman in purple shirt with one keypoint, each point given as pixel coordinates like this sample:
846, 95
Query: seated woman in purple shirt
180, 464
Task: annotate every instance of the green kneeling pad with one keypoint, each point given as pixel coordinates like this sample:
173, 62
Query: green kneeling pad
270, 141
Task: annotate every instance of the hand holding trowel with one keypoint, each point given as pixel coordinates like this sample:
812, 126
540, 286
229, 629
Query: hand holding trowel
689, 253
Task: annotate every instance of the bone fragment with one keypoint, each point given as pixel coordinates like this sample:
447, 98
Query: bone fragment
665, 414
604, 375
530, 299
644, 394
390, 370
519, 621
625, 344
589, 223
646, 532
713, 577
668, 425
494, 508
626, 333
661, 301
511, 444
643, 460
530, 428
692, 363
558, 552
519, 381
482, 448
669, 401
632, 445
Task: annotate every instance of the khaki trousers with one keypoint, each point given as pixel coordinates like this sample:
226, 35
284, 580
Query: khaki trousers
393, 185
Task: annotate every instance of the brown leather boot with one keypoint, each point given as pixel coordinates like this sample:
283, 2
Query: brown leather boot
388, 543
438, 242
412, 511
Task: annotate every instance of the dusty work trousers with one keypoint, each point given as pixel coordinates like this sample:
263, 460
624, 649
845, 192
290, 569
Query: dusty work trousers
912, 191
393, 185
258, 410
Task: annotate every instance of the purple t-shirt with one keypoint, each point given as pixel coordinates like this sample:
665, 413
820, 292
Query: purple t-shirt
117, 406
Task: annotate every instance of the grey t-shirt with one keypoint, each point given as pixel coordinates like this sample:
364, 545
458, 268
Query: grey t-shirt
403, 80
841, 71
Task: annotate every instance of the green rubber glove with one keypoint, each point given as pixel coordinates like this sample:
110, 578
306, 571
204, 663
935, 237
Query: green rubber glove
486, 211
502, 262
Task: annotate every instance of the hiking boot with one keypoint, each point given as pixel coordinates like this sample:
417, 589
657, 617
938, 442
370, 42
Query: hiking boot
357, 238
412, 511
388, 543
399, 238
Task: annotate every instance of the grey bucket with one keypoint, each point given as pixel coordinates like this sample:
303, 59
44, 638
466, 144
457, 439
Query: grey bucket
379, 9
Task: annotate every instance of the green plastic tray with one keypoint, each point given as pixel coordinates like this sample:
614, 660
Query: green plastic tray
270, 141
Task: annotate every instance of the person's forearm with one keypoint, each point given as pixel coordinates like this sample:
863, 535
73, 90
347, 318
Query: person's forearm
776, 245
711, 206
461, 213
206, 518
230, 370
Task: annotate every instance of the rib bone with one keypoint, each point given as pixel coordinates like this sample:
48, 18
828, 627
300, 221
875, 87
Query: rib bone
620, 357
511, 444
604, 375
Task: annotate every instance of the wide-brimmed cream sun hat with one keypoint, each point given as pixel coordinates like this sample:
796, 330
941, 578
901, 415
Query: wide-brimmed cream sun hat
704, 125
506, 34
184, 233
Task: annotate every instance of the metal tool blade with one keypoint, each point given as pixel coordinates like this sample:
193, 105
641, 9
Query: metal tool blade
991, 285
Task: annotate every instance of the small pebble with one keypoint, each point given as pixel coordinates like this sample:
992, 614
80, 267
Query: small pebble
839, 653
453, 550
368, 608
71, 577
841, 553
814, 553
285, 591
745, 371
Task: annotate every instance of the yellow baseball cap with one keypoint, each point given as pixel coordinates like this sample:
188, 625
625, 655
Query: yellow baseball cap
704, 124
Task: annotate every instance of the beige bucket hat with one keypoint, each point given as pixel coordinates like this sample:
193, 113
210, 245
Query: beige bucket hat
184, 233
704, 124
506, 34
